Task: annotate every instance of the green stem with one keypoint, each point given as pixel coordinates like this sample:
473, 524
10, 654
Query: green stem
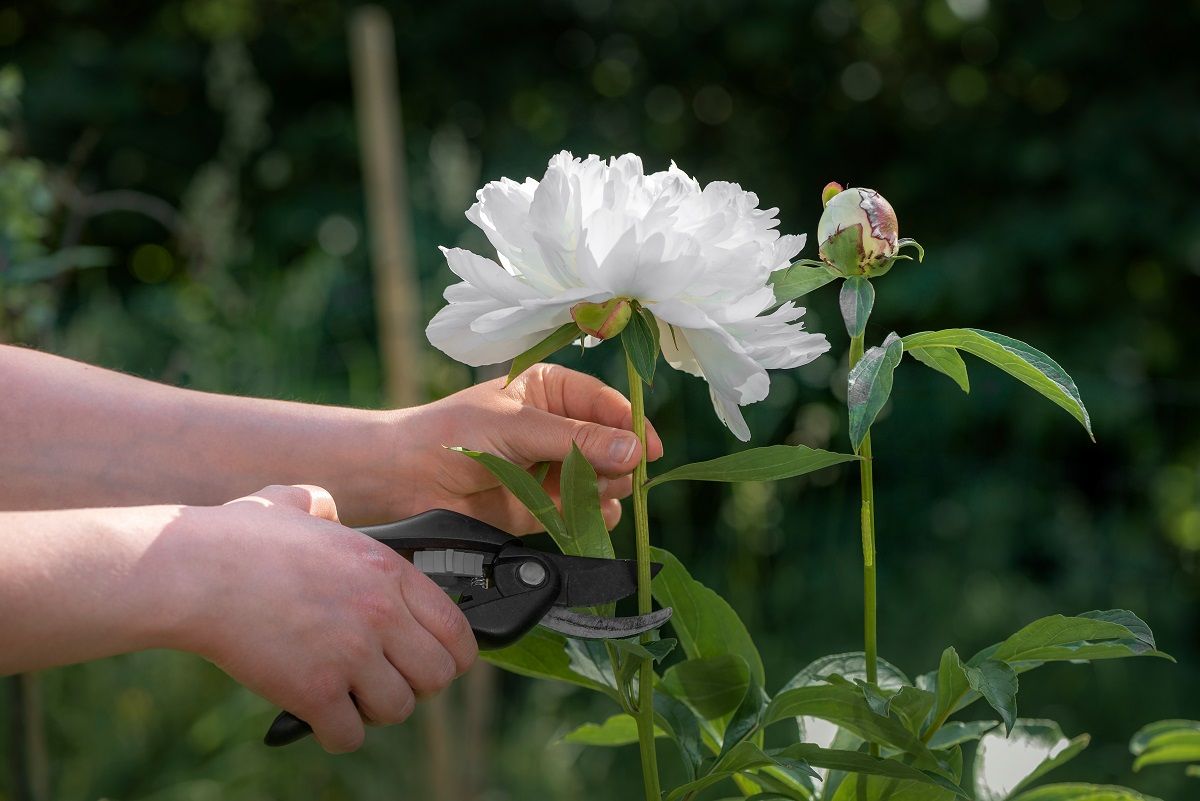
867, 523
645, 702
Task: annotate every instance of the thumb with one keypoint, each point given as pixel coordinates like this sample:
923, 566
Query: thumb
309, 499
545, 437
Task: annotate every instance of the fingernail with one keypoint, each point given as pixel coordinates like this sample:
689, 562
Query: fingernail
601, 485
622, 449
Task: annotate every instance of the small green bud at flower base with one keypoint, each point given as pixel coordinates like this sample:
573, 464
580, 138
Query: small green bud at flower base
602, 320
832, 188
876, 221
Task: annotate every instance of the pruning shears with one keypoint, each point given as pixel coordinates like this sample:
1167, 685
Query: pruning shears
505, 587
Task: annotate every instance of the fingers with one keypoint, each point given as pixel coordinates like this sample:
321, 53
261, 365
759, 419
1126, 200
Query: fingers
383, 696
571, 394
432, 608
425, 664
336, 723
305, 497
539, 436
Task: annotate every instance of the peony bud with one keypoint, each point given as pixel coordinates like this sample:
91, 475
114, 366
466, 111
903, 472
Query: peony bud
602, 320
876, 243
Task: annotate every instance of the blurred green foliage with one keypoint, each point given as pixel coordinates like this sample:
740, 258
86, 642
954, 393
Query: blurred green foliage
180, 197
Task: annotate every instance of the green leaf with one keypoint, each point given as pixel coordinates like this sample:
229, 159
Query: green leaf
542, 654
1165, 742
844, 250
617, 730
851, 665
704, 622
1024, 363
859, 787
1082, 792
946, 361
997, 682
858, 762
912, 705
904, 242
586, 532
589, 658
640, 340
798, 280
528, 491
869, 385
746, 718
681, 725
743, 757
555, 342
713, 686
956, 732
844, 705
769, 463
1005, 764
655, 650
856, 300
1109, 634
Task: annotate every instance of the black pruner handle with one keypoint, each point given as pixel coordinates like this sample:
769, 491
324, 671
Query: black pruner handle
286, 730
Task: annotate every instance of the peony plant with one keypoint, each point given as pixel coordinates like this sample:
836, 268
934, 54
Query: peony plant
599, 250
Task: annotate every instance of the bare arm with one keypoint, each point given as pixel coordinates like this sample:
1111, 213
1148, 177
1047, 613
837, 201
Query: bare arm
73, 435
316, 618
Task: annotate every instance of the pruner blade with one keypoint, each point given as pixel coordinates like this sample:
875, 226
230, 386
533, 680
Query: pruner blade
592, 627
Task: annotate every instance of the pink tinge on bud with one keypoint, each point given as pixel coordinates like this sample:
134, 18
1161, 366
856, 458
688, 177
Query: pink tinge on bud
831, 189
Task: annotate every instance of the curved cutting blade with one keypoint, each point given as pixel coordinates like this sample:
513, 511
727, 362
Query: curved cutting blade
591, 581
591, 627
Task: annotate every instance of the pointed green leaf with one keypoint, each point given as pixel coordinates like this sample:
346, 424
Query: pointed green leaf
798, 280
1005, 764
555, 342
746, 718
746, 756
860, 787
1165, 742
769, 463
617, 730
1108, 634
703, 621
858, 762
1024, 363
946, 361
1082, 792
586, 533
655, 651
640, 340
528, 491
856, 300
851, 665
956, 732
997, 683
905, 242
542, 654
869, 385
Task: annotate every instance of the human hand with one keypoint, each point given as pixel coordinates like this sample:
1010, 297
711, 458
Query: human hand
320, 620
534, 419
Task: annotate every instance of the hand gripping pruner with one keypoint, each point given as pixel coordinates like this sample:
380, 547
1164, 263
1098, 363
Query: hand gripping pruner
504, 587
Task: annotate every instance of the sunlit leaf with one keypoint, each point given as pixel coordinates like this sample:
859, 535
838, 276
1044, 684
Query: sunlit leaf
1024, 363
769, 463
956, 732
553, 343
1166, 742
714, 686
704, 622
1082, 792
542, 654
1005, 764
617, 730
869, 385
856, 300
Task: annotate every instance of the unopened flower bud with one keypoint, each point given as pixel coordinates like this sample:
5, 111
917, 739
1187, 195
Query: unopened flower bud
877, 233
831, 189
602, 320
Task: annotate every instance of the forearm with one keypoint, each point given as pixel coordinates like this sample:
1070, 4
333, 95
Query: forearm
88, 583
73, 435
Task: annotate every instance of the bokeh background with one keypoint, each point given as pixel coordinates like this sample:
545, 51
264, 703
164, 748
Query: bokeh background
181, 197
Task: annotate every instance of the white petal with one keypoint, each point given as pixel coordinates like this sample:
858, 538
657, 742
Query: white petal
450, 332
488, 276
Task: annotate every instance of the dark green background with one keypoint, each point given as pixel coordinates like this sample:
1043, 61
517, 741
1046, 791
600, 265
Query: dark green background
1045, 153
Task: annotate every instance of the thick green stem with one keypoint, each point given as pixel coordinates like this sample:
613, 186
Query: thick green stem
867, 524
645, 701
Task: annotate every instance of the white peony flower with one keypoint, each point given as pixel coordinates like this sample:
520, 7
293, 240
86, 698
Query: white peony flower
699, 259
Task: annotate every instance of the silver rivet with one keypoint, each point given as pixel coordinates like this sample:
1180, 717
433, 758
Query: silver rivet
532, 573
